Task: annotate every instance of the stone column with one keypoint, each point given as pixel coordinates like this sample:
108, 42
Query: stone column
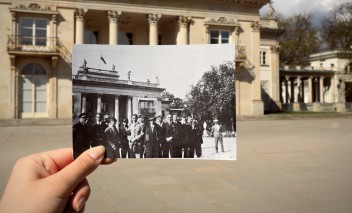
98, 103
13, 26
286, 89
321, 87
113, 17
275, 79
53, 34
310, 90
253, 53
153, 28
84, 102
53, 82
129, 108
183, 22
79, 13
117, 111
332, 89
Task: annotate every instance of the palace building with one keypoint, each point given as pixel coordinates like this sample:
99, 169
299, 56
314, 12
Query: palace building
37, 39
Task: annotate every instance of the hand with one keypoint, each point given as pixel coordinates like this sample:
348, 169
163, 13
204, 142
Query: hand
51, 181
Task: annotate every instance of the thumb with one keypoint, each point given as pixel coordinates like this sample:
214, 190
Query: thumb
69, 177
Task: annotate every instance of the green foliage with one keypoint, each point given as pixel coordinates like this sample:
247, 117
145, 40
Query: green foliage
214, 96
299, 40
336, 27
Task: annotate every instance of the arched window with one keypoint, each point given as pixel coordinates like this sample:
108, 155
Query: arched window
32, 101
348, 68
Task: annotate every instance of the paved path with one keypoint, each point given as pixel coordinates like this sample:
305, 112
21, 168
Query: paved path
282, 166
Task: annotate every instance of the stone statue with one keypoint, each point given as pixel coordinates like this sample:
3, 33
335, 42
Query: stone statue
129, 75
157, 79
113, 67
340, 91
148, 81
205, 132
84, 63
271, 10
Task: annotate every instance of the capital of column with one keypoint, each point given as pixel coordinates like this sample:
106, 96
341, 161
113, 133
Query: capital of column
183, 21
255, 25
13, 16
275, 48
113, 16
237, 31
154, 18
80, 13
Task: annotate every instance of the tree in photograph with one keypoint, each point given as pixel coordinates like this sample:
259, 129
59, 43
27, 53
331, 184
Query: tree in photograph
299, 40
214, 96
336, 27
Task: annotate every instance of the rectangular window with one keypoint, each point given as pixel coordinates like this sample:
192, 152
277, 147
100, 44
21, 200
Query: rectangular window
146, 108
125, 38
219, 37
33, 31
263, 57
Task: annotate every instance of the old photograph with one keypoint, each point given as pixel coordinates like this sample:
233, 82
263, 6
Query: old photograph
144, 101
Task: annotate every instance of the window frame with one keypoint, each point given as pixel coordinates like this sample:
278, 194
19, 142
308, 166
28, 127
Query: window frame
220, 36
34, 39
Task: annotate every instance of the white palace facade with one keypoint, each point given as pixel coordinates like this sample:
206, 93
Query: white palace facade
36, 40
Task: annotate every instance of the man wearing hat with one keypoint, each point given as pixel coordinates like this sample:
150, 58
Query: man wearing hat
216, 132
151, 139
162, 137
136, 132
81, 135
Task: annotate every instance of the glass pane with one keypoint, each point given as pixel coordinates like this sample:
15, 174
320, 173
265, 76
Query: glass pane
214, 34
27, 83
26, 32
25, 22
39, 69
40, 96
225, 35
26, 96
214, 41
26, 107
40, 107
40, 83
28, 69
40, 23
40, 33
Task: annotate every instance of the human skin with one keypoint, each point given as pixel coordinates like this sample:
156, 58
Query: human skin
51, 181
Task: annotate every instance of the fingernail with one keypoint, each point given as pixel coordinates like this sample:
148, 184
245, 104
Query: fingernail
81, 203
97, 152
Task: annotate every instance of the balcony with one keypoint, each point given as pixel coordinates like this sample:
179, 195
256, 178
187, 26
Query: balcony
29, 45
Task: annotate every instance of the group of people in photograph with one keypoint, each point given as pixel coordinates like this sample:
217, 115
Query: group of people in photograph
176, 137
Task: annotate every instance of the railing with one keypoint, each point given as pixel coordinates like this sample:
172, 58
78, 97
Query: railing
30, 43
39, 44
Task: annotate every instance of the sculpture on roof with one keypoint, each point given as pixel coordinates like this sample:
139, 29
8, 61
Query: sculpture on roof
271, 11
129, 75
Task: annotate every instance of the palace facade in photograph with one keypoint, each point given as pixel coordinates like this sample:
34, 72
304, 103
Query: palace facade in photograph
36, 40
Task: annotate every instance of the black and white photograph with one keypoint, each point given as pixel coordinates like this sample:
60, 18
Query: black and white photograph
144, 101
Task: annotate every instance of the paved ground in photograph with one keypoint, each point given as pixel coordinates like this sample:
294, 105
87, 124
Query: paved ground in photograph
284, 166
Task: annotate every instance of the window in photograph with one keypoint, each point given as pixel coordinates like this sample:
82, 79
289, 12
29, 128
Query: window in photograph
219, 36
33, 31
146, 107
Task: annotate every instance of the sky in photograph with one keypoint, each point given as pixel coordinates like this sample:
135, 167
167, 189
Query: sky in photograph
319, 8
177, 66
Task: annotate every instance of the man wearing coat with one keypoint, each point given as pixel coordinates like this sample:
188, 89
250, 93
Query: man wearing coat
151, 140
81, 135
98, 131
216, 132
136, 133
112, 146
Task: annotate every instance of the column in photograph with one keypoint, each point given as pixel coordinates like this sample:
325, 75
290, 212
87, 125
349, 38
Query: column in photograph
299, 89
99, 103
79, 14
153, 28
310, 90
117, 111
84, 102
113, 17
321, 87
129, 108
183, 22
